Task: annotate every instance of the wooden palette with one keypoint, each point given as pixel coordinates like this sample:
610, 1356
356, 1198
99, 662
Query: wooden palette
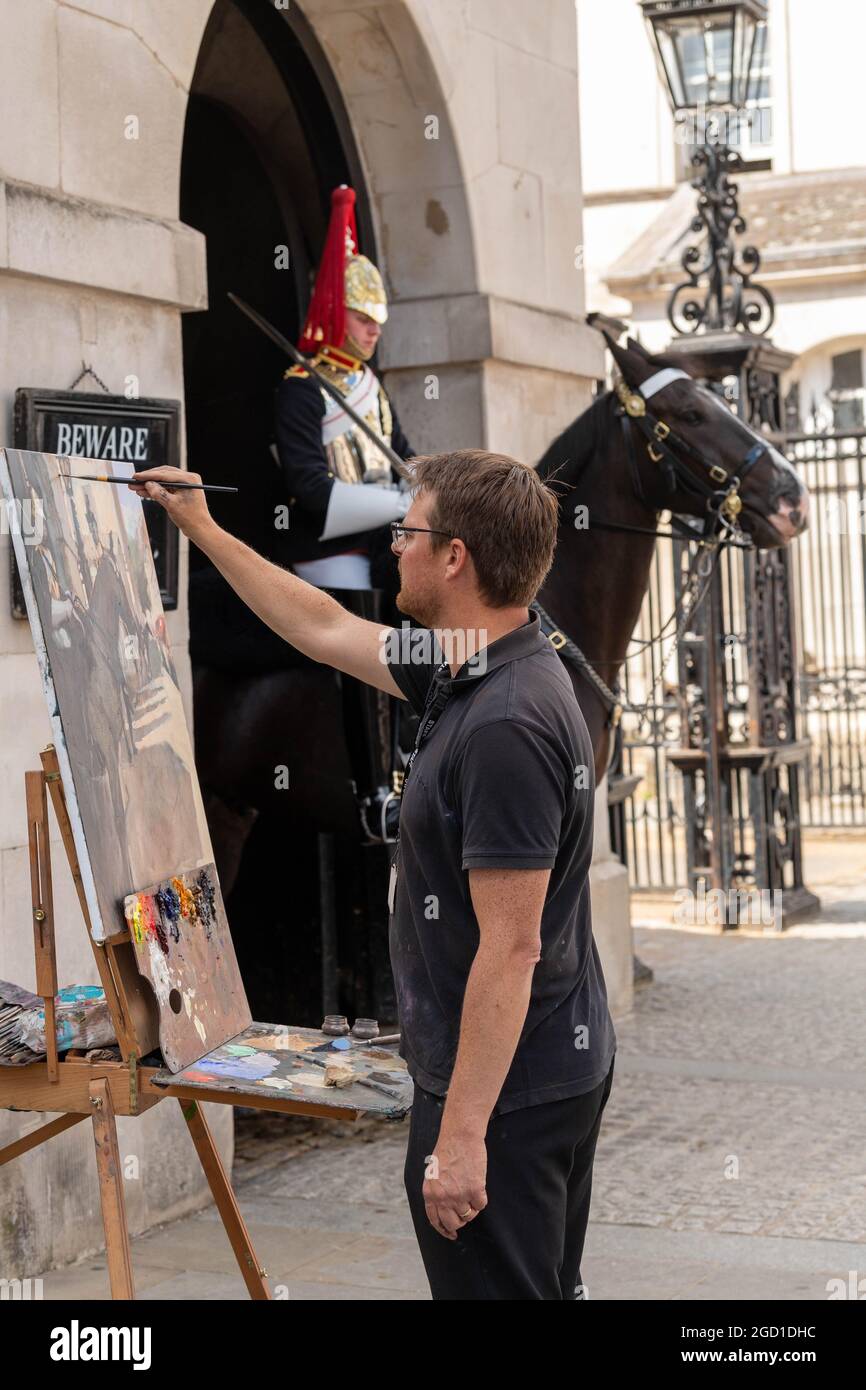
272, 1062
183, 948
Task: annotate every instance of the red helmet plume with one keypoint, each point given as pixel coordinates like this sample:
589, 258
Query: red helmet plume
326, 316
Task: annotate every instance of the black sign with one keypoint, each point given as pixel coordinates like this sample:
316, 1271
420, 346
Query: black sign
139, 433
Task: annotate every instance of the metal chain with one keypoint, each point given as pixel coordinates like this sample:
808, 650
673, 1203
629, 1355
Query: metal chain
694, 568
87, 370
685, 616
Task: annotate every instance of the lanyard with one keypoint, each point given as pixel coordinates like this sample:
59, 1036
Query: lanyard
435, 704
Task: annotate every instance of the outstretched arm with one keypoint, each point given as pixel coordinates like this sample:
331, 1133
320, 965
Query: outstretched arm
298, 612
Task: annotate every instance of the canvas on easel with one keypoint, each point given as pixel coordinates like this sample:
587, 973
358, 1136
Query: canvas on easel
124, 790
119, 726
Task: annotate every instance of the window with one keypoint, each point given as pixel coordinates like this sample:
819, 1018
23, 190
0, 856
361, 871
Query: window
846, 392
748, 129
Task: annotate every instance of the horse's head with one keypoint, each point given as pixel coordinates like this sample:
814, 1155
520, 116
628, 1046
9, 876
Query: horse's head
688, 445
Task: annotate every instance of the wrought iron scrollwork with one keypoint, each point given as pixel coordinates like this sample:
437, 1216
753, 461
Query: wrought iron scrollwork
719, 294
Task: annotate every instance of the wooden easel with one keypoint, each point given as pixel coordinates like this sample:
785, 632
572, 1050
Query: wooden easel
75, 1087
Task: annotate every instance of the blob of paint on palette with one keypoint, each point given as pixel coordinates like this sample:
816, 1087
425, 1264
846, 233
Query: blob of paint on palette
158, 915
254, 1067
285, 1042
333, 1045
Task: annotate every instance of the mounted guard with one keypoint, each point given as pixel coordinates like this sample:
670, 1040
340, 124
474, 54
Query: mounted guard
342, 488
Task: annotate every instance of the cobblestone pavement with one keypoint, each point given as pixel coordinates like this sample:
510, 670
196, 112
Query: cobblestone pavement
739, 1098
731, 1164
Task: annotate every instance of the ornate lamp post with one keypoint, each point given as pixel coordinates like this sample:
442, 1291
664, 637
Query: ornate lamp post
743, 760
710, 55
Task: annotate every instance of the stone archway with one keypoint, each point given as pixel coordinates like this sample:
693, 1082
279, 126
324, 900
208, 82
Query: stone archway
266, 139
392, 74
398, 87
466, 120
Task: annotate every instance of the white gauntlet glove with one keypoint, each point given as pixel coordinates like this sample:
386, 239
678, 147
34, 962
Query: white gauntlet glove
352, 507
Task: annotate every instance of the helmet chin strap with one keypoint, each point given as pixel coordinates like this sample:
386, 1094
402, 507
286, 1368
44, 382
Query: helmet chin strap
355, 349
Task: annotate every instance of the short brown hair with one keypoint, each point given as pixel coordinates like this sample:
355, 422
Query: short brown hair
501, 510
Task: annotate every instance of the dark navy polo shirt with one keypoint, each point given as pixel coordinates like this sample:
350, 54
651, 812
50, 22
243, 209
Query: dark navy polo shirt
505, 780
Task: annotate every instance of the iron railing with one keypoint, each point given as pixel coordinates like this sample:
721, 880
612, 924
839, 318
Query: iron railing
828, 593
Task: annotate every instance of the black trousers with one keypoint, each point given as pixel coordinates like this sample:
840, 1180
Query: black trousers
528, 1241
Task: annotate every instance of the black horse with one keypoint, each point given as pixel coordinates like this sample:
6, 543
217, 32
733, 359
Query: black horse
623, 470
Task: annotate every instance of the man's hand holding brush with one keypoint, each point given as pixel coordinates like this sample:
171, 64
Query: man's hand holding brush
186, 506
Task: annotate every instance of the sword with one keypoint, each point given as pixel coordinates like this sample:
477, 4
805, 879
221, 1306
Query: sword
333, 391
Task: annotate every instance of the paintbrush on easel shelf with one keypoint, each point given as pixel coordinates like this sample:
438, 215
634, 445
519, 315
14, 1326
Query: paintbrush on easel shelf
358, 1080
171, 487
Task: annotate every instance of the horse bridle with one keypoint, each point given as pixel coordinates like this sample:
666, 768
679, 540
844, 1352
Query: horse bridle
669, 450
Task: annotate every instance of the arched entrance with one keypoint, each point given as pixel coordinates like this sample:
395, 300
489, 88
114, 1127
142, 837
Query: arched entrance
266, 139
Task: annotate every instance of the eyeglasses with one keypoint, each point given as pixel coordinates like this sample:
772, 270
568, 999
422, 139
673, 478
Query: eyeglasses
400, 534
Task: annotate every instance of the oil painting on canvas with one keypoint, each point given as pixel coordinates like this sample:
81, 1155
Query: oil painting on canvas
119, 726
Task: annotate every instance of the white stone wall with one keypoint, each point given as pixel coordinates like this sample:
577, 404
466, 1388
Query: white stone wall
818, 70
93, 267
627, 142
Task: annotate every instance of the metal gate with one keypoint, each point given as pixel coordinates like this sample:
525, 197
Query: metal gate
815, 688
829, 570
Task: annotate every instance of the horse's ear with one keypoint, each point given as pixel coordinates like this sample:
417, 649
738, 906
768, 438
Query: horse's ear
633, 361
635, 346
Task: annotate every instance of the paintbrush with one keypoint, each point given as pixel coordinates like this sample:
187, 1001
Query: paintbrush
357, 1080
107, 478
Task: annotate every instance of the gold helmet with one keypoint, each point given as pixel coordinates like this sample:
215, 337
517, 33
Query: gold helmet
365, 292
345, 280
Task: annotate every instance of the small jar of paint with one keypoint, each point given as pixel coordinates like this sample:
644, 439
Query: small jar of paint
336, 1025
365, 1028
